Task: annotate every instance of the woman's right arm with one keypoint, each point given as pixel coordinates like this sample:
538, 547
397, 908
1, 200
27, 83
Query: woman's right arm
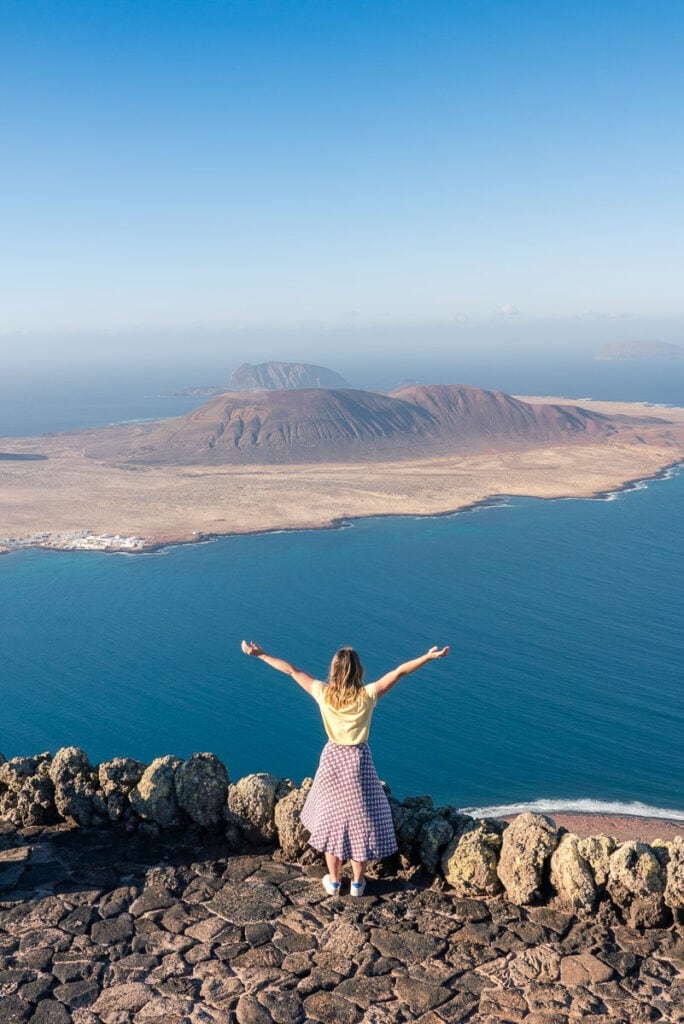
303, 678
389, 680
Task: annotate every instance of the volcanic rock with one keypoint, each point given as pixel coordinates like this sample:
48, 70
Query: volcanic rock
201, 785
571, 875
154, 798
527, 844
252, 800
470, 861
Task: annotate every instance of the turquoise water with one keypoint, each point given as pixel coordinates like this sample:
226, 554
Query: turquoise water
564, 617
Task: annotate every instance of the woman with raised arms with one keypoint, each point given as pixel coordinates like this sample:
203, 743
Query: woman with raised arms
346, 811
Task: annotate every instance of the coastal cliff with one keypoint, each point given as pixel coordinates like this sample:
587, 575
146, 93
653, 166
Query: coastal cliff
167, 893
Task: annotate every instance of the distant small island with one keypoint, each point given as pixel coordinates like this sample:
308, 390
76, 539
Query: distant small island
661, 350
270, 376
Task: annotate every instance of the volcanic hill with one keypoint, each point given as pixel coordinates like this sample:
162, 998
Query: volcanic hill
335, 425
271, 376
276, 376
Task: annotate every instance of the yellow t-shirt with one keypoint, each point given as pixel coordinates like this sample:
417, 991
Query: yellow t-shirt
346, 726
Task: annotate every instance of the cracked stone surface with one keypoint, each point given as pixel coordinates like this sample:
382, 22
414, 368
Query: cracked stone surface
101, 926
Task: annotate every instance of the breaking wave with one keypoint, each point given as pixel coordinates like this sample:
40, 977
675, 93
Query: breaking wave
583, 805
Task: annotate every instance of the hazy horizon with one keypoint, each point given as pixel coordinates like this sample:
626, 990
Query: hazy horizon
197, 351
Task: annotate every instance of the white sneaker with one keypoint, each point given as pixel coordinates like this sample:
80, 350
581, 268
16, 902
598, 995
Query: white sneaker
332, 888
358, 888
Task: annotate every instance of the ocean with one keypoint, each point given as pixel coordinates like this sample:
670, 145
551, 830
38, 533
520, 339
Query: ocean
563, 686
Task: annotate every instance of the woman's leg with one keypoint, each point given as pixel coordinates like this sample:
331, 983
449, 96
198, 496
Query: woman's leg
358, 869
334, 867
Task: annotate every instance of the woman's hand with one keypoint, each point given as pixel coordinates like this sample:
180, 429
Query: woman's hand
435, 652
249, 647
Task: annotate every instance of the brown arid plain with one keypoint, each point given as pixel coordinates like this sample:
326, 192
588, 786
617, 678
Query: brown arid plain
73, 489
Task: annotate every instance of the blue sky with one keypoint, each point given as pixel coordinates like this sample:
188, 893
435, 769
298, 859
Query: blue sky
209, 166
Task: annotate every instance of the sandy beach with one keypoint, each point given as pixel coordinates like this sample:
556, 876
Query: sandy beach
69, 492
623, 827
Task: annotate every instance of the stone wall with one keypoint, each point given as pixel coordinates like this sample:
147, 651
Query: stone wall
530, 861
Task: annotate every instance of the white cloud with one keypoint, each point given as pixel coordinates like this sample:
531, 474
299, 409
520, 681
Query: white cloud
509, 310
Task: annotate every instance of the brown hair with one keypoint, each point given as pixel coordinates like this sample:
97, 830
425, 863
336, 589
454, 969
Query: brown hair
345, 679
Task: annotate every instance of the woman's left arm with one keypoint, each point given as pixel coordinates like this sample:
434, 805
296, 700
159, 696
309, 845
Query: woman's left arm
391, 679
302, 678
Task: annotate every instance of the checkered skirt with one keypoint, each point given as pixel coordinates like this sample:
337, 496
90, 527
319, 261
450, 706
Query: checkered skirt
346, 811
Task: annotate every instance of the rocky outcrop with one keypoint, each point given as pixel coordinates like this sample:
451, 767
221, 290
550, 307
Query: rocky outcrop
597, 851
674, 886
27, 793
154, 798
433, 836
571, 876
292, 836
117, 779
76, 785
527, 845
104, 925
636, 884
527, 862
469, 862
201, 785
252, 800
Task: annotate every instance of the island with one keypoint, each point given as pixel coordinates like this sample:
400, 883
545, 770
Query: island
660, 350
319, 457
270, 376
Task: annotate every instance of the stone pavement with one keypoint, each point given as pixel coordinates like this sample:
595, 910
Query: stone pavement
104, 926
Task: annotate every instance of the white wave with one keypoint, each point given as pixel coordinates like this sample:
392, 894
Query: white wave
137, 419
583, 805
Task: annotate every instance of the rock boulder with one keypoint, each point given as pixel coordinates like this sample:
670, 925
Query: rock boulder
636, 884
433, 836
528, 842
76, 784
292, 836
674, 885
117, 778
154, 797
202, 789
470, 860
597, 851
253, 800
27, 793
571, 876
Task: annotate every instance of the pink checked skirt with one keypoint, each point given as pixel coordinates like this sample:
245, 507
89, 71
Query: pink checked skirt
346, 811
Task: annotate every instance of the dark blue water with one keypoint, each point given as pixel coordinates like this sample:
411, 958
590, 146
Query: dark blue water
564, 682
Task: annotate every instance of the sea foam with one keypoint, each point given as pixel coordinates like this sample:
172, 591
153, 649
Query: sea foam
583, 805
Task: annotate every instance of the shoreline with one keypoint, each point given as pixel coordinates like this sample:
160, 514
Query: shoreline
623, 827
493, 500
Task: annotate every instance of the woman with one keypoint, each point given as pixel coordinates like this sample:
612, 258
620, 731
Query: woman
346, 811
